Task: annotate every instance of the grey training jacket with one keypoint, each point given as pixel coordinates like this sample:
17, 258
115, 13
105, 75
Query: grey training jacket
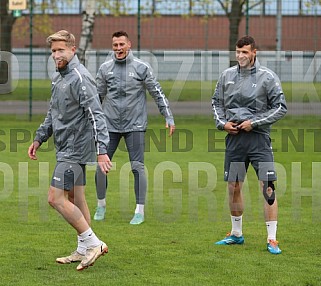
122, 85
255, 94
75, 117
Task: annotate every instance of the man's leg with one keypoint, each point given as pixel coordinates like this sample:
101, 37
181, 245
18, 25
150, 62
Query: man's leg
73, 215
65, 176
78, 198
70, 177
235, 198
263, 164
80, 252
270, 210
101, 179
236, 209
235, 168
101, 189
135, 142
70, 212
271, 217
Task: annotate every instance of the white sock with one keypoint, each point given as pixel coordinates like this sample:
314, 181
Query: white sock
89, 238
101, 203
236, 225
81, 247
139, 209
271, 227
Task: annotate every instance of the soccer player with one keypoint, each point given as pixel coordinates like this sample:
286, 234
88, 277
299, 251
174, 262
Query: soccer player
122, 82
248, 99
76, 121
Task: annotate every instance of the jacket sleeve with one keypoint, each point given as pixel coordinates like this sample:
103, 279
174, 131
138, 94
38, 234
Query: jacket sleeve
45, 130
218, 104
156, 91
101, 84
89, 100
276, 104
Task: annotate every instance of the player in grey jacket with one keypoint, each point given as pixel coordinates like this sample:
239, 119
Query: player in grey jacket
75, 116
252, 94
248, 99
122, 82
76, 121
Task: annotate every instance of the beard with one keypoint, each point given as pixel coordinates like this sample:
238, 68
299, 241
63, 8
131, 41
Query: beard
61, 63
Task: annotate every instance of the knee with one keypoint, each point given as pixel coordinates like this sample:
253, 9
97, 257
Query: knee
137, 167
234, 187
269, 192
52, 198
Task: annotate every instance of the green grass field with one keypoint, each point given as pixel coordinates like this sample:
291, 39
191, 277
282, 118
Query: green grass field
186, 212
175, 91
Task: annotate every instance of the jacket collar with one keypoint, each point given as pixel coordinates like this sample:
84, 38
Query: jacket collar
74, 62
127, 59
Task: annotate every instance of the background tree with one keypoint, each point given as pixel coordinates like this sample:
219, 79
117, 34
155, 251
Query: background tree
87, 29
234, 10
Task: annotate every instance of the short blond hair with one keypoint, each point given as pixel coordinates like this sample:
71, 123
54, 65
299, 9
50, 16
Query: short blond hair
62, 35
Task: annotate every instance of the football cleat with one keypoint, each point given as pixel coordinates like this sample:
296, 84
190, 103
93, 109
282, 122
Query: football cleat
273, 247
73, 257
92, 254
137, 219
231, 239
100, 213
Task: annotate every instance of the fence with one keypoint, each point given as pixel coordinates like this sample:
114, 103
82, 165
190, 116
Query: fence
196, 31
187, 65
183, 40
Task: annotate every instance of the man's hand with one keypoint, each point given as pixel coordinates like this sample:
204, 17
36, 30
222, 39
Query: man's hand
245, 125
104, 163
231, 128
171, 125
33, 150
171, 129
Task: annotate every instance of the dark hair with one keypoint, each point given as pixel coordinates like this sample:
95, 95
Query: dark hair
120, 34
245, 41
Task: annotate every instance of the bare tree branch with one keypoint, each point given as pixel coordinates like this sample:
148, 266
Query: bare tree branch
256, 4
225, 8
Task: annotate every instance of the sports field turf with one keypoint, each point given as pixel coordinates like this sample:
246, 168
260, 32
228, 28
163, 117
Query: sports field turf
186, 212
175, 91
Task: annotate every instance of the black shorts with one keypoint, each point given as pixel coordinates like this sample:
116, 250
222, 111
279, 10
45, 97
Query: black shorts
67, 175
245, 148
